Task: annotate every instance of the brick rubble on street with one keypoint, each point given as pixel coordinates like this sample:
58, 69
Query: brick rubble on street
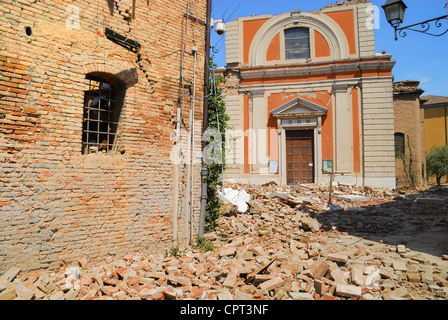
273, 251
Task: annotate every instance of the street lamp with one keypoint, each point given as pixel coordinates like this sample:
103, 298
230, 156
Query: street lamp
395, 10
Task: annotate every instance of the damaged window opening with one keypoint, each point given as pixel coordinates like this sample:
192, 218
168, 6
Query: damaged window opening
103, 101
400, 149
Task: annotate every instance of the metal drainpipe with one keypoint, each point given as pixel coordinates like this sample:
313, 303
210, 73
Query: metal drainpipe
204, 170
176, 176
193, 101
188, 188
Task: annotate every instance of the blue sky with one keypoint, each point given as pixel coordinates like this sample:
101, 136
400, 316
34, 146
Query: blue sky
418, 56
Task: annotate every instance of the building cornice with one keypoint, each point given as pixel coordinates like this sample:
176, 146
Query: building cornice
309, 85
315, 70
376, 57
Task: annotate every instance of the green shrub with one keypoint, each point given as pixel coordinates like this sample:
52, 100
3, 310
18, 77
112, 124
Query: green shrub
218, 122
174, 252
204, 244
437, 163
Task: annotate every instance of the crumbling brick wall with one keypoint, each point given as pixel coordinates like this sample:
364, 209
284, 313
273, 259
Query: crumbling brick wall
409, 121
56, 203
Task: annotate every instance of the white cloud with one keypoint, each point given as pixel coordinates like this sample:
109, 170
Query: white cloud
424, 80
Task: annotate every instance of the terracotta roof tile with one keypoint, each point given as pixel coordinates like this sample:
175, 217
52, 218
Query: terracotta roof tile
430, 100
408, 86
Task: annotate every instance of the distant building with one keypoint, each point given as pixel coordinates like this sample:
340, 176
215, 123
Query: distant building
436, 119
436, 122
307, 92
410, 158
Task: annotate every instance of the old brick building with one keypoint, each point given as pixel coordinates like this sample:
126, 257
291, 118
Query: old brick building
410, 157
89, 93
307, 93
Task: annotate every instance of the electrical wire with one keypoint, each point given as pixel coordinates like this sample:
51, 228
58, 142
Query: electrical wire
182, 62
199, 27
231, 15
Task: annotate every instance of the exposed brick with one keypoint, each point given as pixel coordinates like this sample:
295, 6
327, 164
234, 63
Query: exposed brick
319, 269
337, 257
348, 291
272, 284
23, 293
320, 287
409, 119
10, 275
358, 277
121, 203
230, 281
227, 251
413, 277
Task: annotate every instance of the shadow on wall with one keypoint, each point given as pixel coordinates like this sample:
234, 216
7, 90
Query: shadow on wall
111, 5
129, 77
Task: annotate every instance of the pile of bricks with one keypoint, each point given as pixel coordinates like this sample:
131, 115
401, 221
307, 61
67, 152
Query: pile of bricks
276, 251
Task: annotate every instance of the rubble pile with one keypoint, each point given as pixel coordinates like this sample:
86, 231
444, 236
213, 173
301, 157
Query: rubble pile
288, 245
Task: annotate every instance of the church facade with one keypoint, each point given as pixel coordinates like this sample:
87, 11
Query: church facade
307, 96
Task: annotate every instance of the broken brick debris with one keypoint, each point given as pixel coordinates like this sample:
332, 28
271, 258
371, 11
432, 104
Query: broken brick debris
283, 248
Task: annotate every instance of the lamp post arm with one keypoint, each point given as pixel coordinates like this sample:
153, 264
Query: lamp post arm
424, 27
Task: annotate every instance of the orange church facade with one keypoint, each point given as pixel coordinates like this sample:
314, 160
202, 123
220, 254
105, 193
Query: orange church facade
306, 93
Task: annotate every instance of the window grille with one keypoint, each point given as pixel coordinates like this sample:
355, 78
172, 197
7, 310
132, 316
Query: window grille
100, 117
297, 43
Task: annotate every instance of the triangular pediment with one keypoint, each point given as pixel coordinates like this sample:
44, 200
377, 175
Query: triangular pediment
299, 107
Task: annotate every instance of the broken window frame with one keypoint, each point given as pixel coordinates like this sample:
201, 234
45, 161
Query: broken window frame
101, 114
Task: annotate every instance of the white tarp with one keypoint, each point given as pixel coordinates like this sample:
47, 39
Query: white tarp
236, 197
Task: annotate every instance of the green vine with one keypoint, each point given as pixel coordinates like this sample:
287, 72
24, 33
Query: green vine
218, 122
409, 170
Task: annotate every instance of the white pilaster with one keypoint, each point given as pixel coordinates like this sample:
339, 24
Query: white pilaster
343, 130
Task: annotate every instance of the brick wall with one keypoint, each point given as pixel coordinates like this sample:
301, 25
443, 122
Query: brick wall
57, 204
409, 120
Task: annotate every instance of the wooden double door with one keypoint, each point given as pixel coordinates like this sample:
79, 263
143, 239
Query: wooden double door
299, 156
